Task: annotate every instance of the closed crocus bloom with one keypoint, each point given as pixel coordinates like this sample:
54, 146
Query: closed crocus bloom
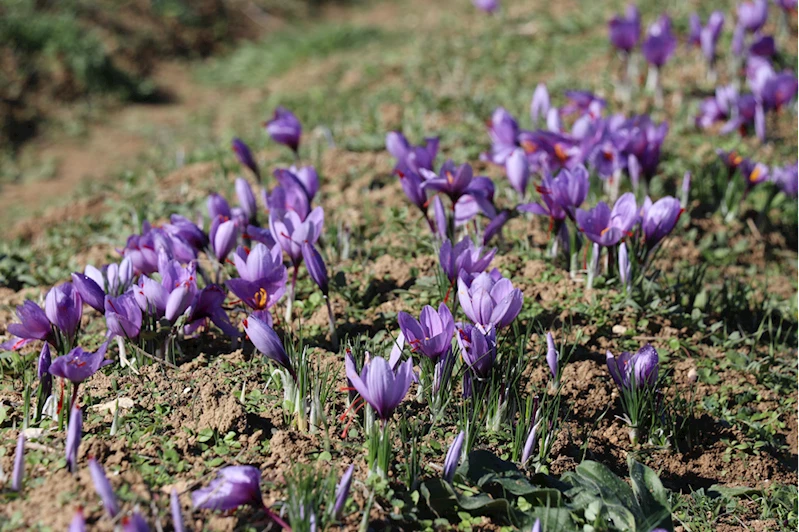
464, 257
134, 523
379, 384
537, 526
518, 171
625, 267
186, 230
752, 15
779, 90
659, 220
342, 492
74, 431
489, 302
78, 523
660, 42
453, 457
552, 356
266, 340
43, 370
18, 474
103, 488
316, 266
223, 238
217, 206
246, 198
179, 300
694, 29
606, 227
174, 509
488, 6
285, 128
709, 35
244, 155
432, 334
291, 232
308, 178
639, 369
90, 292
64, 308
123, 316
624, 32
540, 105
570, 188
478, 348
78, 365
233, 486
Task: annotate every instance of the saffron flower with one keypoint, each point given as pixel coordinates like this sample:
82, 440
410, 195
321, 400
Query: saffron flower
606, 227
78, 365
74, 430
518, 171
233, 486
452, 181
103, 488
637, 370
43, 371
266, 340
246, 198
752, 15
624, 32
380, 385
490, 302
540, 104
244, 155
453, 457
285, 128
18, 473
291, 232
134, 523
174, 509
33, 325
410, 159
90, 292
529, 443
64, 308
658, 219
754, 173
207, 305
223, 235
123, 316
625, 267
709, 36
504, 133
487, 6
262, 276
342, 492
316, 267
78, 524
431, 336
478, 348
660, 42
553, 357
786, 179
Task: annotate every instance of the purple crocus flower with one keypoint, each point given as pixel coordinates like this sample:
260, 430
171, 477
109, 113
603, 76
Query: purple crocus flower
478, 348
287, 197
316, 266
233, 486
583, 103
179, 228
246, 198
639, 369
709, 36
606, 227
452, 181
90, 292
123, 316
753, 172
244, 155
787, 6
432, 334
410, 159
495, 226
786, 178
223, 236
300, 187
624, 32
218, 207
262, 275
266, 340
285, 128
78, 365
103, 488
18, 473
291, 232
490, 302
78, 524
64, 308
43, 371
308, 178
174, 509
763, 46
134, 523
752, 15
779, 90
342, 492
660, 42
518, 171
74, 429
453, 457
33, 325
529, 443
208, 305
488, 6
464, 257
552, 356
659, 219
625, 267
540, 104
380, 385
504, 132
561, 195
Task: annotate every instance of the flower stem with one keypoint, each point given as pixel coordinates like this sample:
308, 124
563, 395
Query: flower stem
332, 323
276, 518
290, 301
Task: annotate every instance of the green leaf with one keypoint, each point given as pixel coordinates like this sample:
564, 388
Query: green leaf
651, 495
728, 493
592, 481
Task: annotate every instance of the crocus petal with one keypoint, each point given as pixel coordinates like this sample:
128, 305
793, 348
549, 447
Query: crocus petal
453, 457
103, 488
342, 492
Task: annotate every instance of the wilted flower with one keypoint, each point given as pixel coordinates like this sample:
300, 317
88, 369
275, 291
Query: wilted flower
432, 334
639, 369
103, 488
380, 385
266, 340
605, 226
624, 32
342, 492
123, 316
78, 365
453, 457
244, 155
74, 431
490, 302
64, 308
285, 128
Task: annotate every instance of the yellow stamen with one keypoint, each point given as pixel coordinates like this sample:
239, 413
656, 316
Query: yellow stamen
260, 298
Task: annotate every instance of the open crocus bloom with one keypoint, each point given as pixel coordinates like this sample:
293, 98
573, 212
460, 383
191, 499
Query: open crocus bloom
605, 226
380, 385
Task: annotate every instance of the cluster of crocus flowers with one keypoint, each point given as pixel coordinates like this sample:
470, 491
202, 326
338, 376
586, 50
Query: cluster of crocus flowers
636, 376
